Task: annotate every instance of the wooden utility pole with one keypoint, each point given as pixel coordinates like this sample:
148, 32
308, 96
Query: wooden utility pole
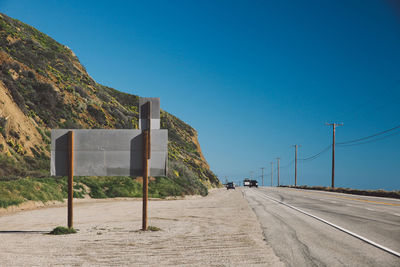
278, 170
272, 171
334, 125
295, 164
146, 157
70, 179
262, 175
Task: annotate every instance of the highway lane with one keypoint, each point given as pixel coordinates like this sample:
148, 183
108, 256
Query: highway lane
375, 218
300, 240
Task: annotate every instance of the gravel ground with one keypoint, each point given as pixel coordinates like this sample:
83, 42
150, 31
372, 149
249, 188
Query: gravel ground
217, 230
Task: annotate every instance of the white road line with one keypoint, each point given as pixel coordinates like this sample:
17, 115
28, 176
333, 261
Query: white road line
349, 205
333, 225
334, 202
370, 209
397, 214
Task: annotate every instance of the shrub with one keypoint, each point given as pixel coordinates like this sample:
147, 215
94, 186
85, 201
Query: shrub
153, 228
60, 230
82, 92
46, 96
119, 186
187, 179
70, 124
3, 125
162, 187
97, 114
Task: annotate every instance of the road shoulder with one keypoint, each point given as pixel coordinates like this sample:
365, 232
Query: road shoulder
220, 229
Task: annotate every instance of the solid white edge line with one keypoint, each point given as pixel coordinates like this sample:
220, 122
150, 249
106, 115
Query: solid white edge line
334, 225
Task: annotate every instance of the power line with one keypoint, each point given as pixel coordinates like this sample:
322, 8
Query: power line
354, 142
349, 143
370, 141
317, 155
368, 137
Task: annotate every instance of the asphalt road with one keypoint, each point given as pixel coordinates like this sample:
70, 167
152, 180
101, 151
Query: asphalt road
301, 240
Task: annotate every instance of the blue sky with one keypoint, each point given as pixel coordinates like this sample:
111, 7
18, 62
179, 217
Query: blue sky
253, 77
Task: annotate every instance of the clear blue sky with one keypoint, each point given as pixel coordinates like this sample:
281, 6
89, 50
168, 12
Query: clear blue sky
253, 77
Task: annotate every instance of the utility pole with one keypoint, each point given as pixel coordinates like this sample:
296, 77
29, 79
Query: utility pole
262, 175
278, 170
295, 164
334, 125
272, 171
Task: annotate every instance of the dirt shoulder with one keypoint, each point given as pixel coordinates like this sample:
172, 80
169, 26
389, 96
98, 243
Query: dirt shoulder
220, 229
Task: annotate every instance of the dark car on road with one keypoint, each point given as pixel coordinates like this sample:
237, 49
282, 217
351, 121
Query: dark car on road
253, 183
230, 186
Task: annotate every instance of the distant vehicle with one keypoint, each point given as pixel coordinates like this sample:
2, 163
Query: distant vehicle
253, 183
246, 182
230, 186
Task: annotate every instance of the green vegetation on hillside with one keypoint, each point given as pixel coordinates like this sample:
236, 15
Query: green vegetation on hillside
17, 191
27, 166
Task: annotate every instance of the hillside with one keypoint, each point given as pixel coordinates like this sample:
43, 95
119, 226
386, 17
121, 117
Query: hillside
43, 86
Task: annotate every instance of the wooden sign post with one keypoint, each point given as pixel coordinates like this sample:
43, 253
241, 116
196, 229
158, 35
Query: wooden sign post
70, 179
146, 157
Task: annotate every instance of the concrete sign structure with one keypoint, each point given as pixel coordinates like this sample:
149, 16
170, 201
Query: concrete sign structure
108, 152
100, 152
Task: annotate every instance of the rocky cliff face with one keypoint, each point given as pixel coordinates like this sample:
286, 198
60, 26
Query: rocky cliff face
43, 86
